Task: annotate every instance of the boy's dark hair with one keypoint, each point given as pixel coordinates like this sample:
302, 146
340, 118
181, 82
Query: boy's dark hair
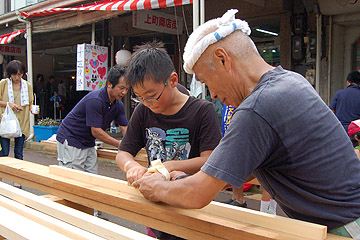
114, 74
353, 140
353, 77
14, 67
149, 61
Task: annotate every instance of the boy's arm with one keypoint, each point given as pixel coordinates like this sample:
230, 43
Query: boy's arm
127, 164
189, 166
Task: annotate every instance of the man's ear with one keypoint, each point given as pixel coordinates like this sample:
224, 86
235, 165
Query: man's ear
222, 57
108, 85
173, 79
356, 138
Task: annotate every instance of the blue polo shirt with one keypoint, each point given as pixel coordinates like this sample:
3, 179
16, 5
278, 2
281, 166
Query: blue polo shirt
93, 110
346, 104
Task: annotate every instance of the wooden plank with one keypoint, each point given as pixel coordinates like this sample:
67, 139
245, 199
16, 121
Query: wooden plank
15, 226
68, 203
278, 223
66, 214
123, 202
49, 222
293, 226
254, 181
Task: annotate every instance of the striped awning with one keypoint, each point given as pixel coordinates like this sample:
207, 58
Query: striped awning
7, 38
113, 5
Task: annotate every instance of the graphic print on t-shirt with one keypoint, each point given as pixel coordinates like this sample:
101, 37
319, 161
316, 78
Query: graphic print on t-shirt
176, 141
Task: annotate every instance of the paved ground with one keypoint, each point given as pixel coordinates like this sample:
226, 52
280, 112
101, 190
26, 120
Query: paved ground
110, 169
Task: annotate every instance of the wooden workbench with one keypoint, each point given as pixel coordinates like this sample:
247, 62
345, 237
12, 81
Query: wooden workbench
215, 221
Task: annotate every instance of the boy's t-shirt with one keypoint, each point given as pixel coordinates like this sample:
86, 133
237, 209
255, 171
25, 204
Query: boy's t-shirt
193, 129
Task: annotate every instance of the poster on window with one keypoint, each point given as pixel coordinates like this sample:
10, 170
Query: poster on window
91, 67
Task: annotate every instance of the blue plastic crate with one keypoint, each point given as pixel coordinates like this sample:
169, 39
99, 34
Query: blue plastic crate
44, 132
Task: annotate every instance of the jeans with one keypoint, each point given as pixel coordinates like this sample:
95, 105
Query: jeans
18, 148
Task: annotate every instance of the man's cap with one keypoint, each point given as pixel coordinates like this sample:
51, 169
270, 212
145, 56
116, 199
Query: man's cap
354, 127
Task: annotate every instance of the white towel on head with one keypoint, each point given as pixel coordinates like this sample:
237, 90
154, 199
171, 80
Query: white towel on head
224, 26
24, 94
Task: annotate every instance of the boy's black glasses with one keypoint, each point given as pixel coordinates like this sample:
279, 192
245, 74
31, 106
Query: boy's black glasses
151, 99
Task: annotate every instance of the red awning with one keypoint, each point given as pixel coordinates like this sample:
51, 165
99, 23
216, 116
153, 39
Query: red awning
114, 5
7, 38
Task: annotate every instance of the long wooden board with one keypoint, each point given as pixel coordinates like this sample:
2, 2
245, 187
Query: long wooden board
127, 203
62, 219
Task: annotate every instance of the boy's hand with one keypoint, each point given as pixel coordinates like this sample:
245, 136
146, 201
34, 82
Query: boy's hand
135, 173
175, 174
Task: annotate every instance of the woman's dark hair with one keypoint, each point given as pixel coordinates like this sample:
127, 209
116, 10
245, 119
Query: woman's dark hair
149, 61
40, 76
14, 67
354, 77
114, 74
353, 140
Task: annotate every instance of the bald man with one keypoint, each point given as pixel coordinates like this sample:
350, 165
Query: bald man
281, 132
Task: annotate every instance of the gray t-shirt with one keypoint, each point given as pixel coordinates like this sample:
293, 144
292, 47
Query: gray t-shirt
289, 139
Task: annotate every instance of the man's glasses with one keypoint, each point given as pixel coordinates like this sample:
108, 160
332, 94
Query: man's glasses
152, 99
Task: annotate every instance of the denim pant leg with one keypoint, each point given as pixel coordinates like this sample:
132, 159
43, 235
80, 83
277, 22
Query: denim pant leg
5, 144
19, 146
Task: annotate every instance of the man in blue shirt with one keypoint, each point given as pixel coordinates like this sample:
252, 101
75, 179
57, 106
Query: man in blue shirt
88, 120
346, 102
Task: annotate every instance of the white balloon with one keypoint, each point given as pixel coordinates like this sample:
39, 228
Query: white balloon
1, 59
122, 57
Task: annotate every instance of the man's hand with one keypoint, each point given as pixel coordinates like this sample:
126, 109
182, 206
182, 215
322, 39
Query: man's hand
147, 185
135, 173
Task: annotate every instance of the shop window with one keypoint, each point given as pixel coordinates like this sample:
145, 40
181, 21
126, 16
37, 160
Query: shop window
266, 35
356, 56
16, 4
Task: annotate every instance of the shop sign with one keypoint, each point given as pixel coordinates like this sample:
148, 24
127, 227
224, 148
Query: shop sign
12, 50
157, 21
91, 67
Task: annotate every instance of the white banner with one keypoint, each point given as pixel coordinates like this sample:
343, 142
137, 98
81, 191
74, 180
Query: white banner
91, 67
157, 21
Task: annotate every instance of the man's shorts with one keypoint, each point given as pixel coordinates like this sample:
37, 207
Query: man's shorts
83, 159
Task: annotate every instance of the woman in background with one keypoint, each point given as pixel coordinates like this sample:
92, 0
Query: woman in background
18, 93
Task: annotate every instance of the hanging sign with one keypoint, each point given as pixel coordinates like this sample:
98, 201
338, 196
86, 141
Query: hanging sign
157, 21
91, 67
12, 50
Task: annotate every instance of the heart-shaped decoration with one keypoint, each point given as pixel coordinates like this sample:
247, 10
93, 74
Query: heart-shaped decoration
93, 87
94, 71
102, 72
87, 70
94, 63
87, 77
102, 57
100, 84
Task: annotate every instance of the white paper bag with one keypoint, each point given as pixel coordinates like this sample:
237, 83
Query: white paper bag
9, 127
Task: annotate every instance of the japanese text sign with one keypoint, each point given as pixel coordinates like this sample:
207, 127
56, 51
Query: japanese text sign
157, 21
91, 67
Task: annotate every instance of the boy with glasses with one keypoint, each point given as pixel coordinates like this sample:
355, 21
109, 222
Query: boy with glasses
169, 124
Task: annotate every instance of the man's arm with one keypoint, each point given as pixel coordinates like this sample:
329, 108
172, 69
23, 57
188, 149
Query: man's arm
123, 130
103, 136
195, 191
189, 166
128, 165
